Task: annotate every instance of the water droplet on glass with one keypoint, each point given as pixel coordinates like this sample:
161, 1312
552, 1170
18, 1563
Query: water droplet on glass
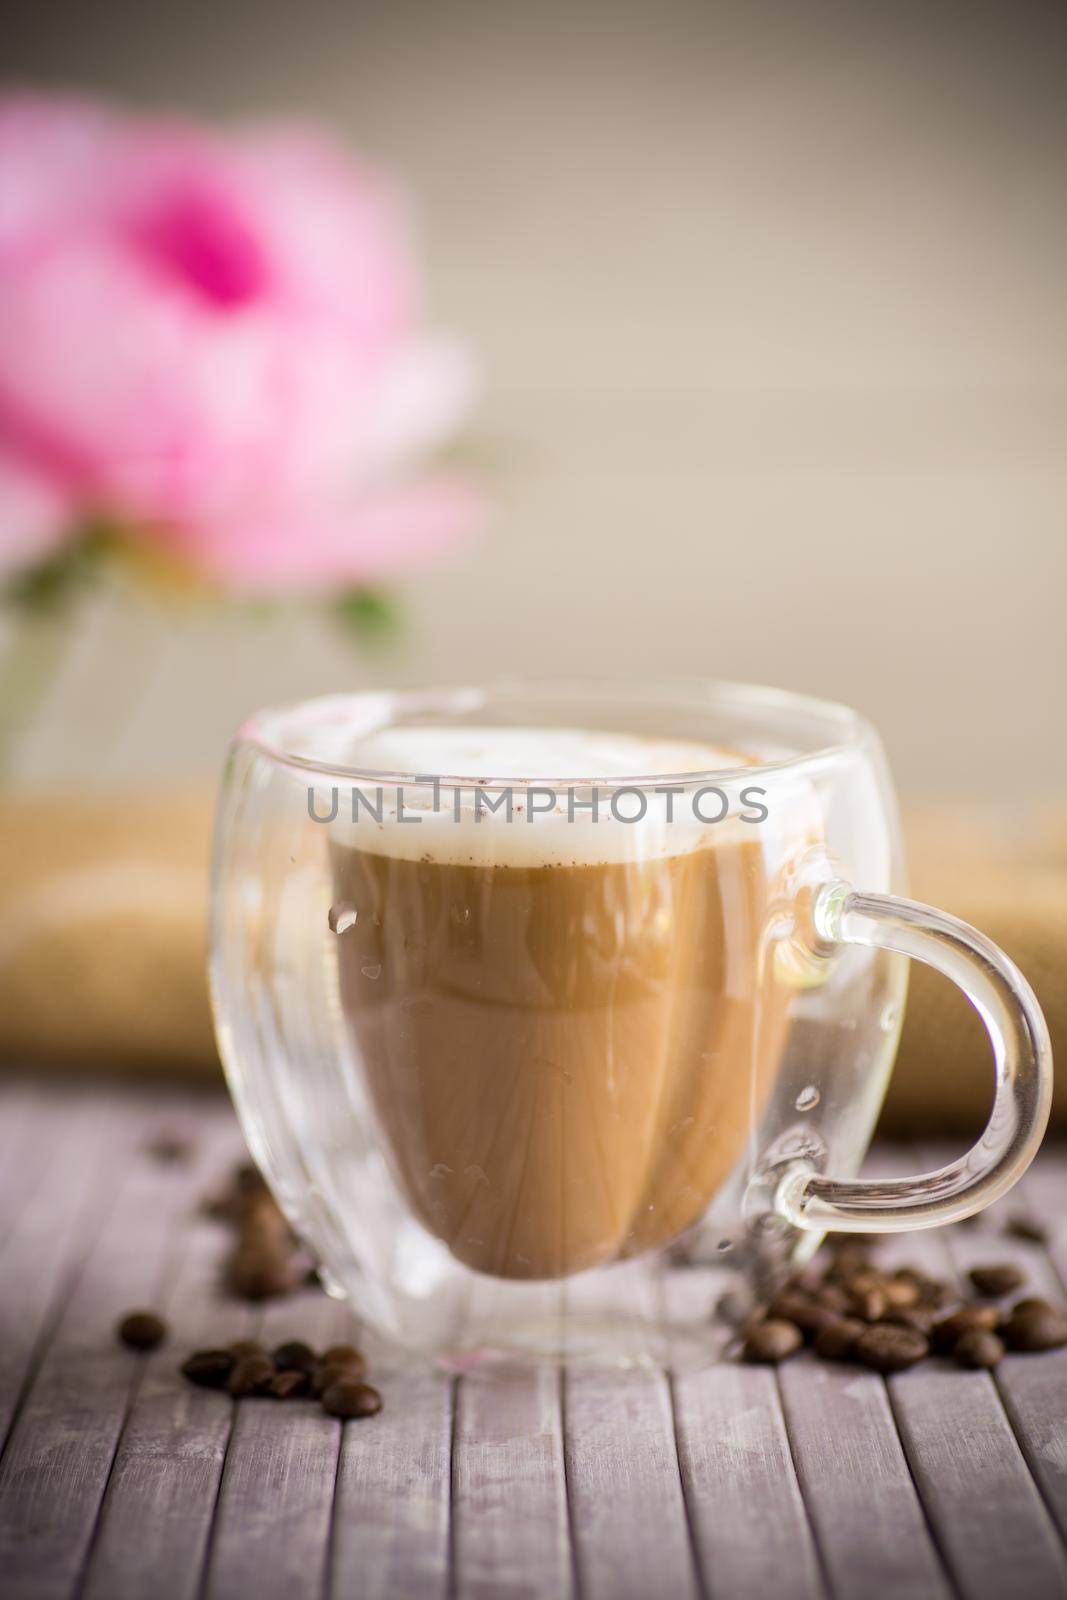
372, 970
808, 1098
888, 1019
476, 1174
342, 916
461, 915
440, 1171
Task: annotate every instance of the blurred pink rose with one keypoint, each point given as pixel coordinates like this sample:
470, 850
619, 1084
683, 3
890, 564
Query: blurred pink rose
213, 341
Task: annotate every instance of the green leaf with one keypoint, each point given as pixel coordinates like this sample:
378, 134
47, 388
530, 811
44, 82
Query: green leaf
371, 616
53, 583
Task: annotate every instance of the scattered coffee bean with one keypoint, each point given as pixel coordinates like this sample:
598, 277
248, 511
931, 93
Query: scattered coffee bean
260, 1275
267, 1260
247, 1347
968, 1319
996, 1280
296, 1356
916, 1317
250, 1373
284, 1385
1020, 1227
901, 1294
209, 1368
169, 1148
351, 1399
868, 1297
886, 1347
772, 1341
1032, 1302
837, 1341
978, 1348
801, 1310
832, 1297
326, 1374
142, 1330
1038, 1329
932, 1292
345, 1355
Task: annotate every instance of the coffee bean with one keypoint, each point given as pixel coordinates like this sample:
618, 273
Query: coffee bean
1032, 1302
351, 1399
968, 1319
169, 1148
997, 1279
284, 1385
772, 1341
837, 1341
870, 1304
978, 1348
801, 1310
248, 1181
932, 1292
832, 1297
915, 1317
250, 1373
901, 1293
1020, 1227
142, 1330
247, 1347
1038, 1329
345, 1355
261, 1274
326, 1374
886, 1347
209, 1368
295, 1357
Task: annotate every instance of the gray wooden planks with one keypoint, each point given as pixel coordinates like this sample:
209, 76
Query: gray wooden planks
628, 1521
272, 1527
160, 1500
628, 1516
509, 1517
859, 1493
985, 1509
55, 1469
120, 1480
745, 1509
391, 1512
748, 1518
51, 1228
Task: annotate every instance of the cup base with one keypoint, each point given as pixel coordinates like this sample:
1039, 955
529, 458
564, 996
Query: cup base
588, 1342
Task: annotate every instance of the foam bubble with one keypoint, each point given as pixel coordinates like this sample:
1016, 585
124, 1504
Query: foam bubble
501, 755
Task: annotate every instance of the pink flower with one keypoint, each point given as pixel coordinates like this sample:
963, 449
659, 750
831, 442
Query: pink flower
214, 341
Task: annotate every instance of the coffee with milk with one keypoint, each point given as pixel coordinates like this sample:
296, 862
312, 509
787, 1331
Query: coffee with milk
567, 1027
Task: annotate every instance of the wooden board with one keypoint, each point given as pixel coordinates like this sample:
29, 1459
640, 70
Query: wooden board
120, 1481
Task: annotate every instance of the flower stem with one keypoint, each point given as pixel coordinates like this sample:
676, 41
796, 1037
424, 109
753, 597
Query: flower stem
35, 647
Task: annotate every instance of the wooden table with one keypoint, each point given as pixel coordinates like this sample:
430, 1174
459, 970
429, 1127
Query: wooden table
119, 1479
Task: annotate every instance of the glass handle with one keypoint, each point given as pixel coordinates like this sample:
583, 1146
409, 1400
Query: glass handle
1022, 1058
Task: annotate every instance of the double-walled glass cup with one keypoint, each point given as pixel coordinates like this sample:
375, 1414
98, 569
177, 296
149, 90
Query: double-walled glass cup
523, 993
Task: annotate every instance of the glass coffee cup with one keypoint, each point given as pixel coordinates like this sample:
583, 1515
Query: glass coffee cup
524, 993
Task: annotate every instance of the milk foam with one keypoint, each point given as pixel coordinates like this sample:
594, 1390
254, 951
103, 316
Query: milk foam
462, 830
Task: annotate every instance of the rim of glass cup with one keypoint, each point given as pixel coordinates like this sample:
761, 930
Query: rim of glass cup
698, 694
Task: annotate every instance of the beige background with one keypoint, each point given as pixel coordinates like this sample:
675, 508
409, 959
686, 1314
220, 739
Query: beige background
772, 303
